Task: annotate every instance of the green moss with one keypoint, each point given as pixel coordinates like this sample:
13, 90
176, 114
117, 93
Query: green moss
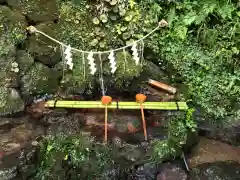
8, 78
110, 27
13, 25
25, 60
36, 10
40, 80
126, 71
75, 81
89, 28
12, 30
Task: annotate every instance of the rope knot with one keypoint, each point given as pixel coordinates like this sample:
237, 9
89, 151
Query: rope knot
31, 29
163, 23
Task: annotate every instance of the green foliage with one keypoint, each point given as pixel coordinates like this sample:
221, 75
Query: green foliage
178, 130
73, 157
190, 124
202, 44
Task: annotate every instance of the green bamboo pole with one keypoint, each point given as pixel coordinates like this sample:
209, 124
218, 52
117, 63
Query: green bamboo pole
120, 105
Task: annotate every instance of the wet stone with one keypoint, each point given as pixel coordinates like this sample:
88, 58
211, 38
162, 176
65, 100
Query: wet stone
70, 124
170, 171
111, 174
209, 151
144, 172
132, 152
117, 142
8, 174
227, 170
20, 164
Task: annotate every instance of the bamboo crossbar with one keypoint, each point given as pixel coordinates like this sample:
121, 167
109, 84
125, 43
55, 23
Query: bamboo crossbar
117, 105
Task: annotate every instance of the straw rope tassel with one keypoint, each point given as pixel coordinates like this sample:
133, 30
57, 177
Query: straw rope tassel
135, 53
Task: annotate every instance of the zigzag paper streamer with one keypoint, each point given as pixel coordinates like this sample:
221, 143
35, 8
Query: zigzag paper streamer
112, 62
92, 63
68, 57
135, 53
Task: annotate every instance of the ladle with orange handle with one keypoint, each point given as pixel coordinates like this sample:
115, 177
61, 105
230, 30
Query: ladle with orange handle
106, 100
141, 98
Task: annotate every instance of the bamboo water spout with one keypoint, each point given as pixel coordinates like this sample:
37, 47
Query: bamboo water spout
116, 105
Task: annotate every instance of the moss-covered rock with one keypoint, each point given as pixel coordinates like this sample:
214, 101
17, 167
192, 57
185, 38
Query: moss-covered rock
42, 48
152, 71
10, 101
8, 66
126, 71
40, 79
13, 25
36, 10
12, 32
76, 81
24, 60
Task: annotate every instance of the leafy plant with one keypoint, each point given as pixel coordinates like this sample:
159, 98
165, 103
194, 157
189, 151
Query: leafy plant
179, 128
73, 157
202, 45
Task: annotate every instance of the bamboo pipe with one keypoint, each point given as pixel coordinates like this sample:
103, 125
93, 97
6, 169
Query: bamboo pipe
163, 86
115, 105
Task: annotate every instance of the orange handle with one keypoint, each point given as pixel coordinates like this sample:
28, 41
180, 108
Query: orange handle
144, 123
141, 98
106, 125
106, 100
